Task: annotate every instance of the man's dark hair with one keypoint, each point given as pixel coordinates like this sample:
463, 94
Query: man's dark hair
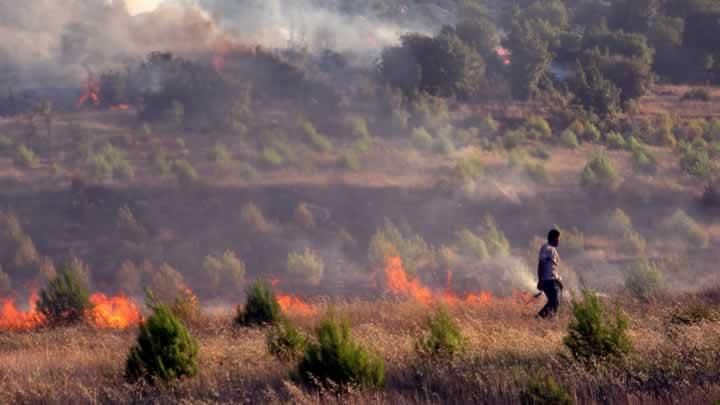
553, 234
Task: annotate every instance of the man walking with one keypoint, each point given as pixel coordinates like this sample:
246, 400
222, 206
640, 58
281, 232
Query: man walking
549, 280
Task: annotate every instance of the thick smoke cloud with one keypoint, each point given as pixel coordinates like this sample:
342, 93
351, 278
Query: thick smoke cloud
52, 44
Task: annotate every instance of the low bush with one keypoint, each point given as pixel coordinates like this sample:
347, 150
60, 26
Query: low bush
443, 339
498, 245
696, 94
306, 266
271, 157
633, 243
537, 173
184, 172
388, 241
543, 389
471, 245
335, 360
614, 140
65, 299
618, 222
422, 139
160, 163
350, 161
569, 139
643, 278
167, 284
692, 313
285, 341
513, 139
251, 215
681, 225
540, 153
25, 157
261, 306
593, 334
697, 163
164, 350
537, 127
303, 217
220, 155
225, 271
111, 162
469, 167
599, 174
318, 140
591, 133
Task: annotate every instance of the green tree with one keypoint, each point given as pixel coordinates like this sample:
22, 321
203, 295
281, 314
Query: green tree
164, 350
261, 306
336, 359
531, 59
66, 298
593, 334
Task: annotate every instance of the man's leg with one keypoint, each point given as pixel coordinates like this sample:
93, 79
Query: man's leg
545, 311
553, 298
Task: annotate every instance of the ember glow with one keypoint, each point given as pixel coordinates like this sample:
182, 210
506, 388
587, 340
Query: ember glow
118, 312
91, 95
399, 283
12, 318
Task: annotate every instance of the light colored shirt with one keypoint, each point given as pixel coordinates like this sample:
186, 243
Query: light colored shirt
549, 260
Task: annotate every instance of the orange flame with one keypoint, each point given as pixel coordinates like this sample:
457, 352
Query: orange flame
399, 283
121, 107
118, 312
91, 94
12, 318
295, 305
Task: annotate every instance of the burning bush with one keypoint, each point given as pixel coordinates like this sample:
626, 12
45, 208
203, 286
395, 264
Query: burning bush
643, 278
66, 298
336, 360
389, 241
164, 350
261, 306
444, 339
306, 266
285, 341
593, 334
543, 389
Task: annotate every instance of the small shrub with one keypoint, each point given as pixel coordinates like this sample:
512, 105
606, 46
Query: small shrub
469, 167
272, 157
303, 216
184, 172
591, 134
389, 241
285, 342
573, 241
599, 173
498, 245
124, 170
444, 145
643, 278
220, 155
633, 243
319, 141
65, 299
164, 350
697, 163
422, 138
6, 143
334, 359
167, 284
568, 139
680, 224
25, 157
618, 222
100, 167
358, 127
614, 140
537, 127
489, 125
251, 215
444, 338
537, 173
544, 389
642, 158
593, 334
247, 171
513, 139
225, 270
540, 153
261, 306
696, 94
160, 163
471, 245
306, 266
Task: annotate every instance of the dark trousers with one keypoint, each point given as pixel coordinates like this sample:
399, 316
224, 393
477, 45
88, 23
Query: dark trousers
552, 291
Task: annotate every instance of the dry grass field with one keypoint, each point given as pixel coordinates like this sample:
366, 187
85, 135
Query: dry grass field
506, 348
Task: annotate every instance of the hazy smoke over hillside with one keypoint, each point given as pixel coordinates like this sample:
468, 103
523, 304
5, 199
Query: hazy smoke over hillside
50, 43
